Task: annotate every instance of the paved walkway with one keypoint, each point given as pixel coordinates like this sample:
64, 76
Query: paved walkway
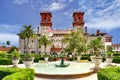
91, 77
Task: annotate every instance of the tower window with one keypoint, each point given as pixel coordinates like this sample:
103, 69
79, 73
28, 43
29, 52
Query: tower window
45, 18
78, 18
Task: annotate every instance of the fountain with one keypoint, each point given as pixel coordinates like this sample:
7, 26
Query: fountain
74, 70
62, 70
62, 64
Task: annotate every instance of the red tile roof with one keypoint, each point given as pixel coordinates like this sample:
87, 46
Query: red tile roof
5, 48
61, 31
115, 45
56, 49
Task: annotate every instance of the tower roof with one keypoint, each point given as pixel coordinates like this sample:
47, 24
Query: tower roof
46, 12
78, 12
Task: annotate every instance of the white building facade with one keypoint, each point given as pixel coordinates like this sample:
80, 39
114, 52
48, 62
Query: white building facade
56, 36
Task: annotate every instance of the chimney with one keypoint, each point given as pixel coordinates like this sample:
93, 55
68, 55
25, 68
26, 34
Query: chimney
97, 32
38, 30
86, 30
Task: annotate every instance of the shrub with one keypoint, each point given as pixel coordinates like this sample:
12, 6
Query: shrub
3, 55
16, 74
9, 56
84, 57
116, 60
112, 73
116, 54
28, 55
37, 58
5, 61
21, 60
15, 54
70, 59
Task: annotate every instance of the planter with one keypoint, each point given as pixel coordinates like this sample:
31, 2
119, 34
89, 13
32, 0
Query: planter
91, 57
70, 56
78, 58
96, 61
28, 62
15, 62
109, 61
46, 59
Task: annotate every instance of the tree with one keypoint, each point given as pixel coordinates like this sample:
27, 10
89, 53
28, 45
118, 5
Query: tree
27, 33
44, 41
75, 40
97, 45
23, 36
8, 42
12, 49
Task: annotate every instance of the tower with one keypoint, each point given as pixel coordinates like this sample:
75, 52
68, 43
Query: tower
45, 23
78, 20
46, 19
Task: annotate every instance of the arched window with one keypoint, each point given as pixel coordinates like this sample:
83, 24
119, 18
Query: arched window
45, 18
39, 52
33, 52
32, 41
78, 19
39, 46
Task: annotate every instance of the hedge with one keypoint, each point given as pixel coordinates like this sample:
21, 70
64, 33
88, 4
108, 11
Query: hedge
116, 60
116, 54
111, 73
5, 61
16, 74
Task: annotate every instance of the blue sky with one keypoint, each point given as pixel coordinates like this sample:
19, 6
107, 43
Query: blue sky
99, 14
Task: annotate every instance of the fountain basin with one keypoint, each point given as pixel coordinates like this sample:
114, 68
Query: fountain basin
74, 70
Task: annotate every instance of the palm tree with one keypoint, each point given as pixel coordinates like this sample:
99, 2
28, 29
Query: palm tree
22, 36
27, 33
75, 41
97, 45
44, 41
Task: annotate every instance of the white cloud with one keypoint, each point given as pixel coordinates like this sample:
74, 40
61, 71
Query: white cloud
13, 38
101, 14
19, 2
56, 6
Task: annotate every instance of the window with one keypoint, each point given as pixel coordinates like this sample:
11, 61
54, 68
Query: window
39, 52
33, 52
45, 18
78, 19
39, 46
32, 41
108, 39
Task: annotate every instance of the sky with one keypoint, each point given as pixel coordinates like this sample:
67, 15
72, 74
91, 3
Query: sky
99, 14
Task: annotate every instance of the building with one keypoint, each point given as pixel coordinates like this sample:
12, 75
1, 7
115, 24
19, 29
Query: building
116, 47
4, 49
56, 36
